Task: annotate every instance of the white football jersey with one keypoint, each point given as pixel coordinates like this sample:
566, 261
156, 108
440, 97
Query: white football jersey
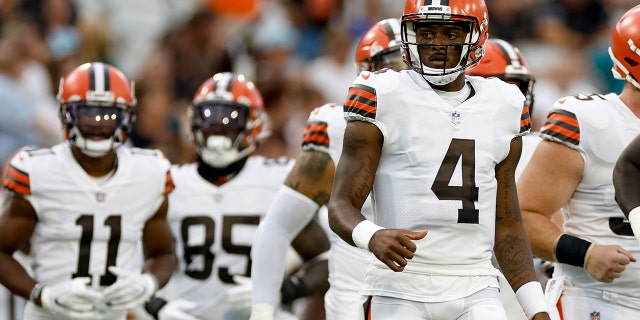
436, 172
214, 227
599, 127
85, 225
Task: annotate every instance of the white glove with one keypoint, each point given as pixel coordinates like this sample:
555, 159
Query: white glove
177, 310
239, 296
262, 311
131, 290
72, 299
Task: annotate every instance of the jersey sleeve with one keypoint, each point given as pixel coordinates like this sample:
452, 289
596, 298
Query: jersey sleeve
16, 178
525, 121
562, 126
361, 103
316, 135
169, 186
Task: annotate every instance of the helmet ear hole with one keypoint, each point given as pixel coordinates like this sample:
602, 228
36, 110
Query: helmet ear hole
631, 62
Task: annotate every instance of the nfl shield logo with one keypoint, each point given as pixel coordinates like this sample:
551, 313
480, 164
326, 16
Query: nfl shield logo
455, 118
595, 315
100, 196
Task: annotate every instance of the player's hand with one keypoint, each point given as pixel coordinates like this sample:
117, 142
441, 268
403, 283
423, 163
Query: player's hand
607, 262
72, 299
239, 296
131, 290
177, 310
395, 246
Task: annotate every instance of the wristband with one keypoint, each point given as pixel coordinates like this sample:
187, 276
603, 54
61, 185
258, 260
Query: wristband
572, 250
292, 289
35, 293
154, 305
362, 233
634, 220
531, 299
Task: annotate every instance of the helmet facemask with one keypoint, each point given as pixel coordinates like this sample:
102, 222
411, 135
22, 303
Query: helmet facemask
415, 53
95, 130
222, 133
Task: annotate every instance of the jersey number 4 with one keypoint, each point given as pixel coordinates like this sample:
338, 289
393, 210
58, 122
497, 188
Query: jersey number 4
463, 151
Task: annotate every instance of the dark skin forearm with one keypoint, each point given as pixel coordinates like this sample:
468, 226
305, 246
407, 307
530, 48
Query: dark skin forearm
157, 239
512, 247
354, 177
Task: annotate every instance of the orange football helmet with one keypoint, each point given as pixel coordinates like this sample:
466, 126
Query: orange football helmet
625, 47
379, 47
227, 119
471, 12
97, 108
504, 61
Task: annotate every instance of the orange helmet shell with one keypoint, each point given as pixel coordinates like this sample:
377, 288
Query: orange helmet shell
625, 47
383, 37
96, 83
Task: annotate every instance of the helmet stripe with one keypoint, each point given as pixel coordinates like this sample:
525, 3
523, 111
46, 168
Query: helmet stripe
508, 51
98, 77
388, 30
436, 2
225, 82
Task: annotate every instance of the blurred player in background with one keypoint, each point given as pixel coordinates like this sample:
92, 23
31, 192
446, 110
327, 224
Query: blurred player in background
218, 203
84, 208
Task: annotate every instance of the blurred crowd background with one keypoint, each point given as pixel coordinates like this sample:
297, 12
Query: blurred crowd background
298, 52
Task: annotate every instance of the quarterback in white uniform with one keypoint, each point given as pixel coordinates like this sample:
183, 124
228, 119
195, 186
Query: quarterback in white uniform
308, 187
86, 208
438, 151
596, 274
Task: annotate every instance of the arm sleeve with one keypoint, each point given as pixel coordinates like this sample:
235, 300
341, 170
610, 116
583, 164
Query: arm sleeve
289, 213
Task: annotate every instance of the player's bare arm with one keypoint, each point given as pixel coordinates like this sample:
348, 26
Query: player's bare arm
354, 177
550, 162
555, 162
512, 246
160, 258
17, 222
312, 176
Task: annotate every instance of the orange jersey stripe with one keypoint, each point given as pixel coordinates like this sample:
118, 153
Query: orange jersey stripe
362, 100
168, 184
17, 181
562, 125
316, 133
525, 120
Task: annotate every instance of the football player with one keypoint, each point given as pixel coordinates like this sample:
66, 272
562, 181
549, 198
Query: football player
218, 203
594, 251
86, 207
307, 188
442, 181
